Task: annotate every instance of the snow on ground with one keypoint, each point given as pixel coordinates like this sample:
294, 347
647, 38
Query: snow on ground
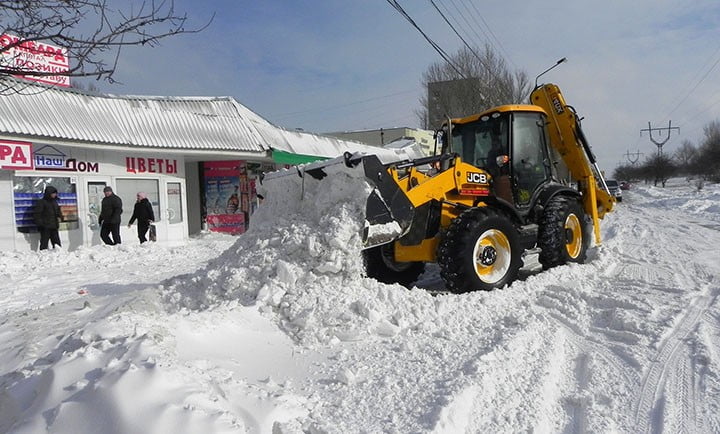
276, 331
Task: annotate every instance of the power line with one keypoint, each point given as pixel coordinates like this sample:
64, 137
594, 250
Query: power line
437, 48
464, 16
700, 80
470, 26
693, 115
502, 48
695, 87
458, 35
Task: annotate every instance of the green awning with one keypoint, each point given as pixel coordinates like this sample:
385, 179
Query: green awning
282, 157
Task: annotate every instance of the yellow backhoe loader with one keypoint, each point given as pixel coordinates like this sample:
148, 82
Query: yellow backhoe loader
507, 182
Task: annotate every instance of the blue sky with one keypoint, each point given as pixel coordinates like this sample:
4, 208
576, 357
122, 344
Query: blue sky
350, 65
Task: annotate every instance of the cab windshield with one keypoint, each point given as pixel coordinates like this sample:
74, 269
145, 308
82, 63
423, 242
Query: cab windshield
474, 141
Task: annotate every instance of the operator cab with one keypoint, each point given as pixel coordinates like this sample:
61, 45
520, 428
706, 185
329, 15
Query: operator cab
508, 142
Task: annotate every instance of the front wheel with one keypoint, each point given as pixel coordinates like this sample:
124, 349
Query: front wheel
563, 235
479, 251
380, 265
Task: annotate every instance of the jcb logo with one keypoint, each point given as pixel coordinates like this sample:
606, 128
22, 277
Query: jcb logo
476, 178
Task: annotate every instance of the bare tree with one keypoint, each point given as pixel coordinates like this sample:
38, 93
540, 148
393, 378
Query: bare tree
708, 161
476, 80
685, 155
659, 167
90, 33
626, 172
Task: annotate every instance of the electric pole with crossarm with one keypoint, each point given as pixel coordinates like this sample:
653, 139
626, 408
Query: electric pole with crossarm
650, 130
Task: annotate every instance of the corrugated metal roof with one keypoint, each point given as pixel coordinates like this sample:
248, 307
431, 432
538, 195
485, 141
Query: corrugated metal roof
191, 123
197, 123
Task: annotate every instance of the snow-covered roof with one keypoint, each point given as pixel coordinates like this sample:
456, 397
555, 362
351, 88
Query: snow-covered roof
212, 123
298, 142
192, 123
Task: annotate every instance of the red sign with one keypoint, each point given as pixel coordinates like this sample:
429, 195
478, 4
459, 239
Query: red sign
233, 224
16, 155
36, 56
150, 165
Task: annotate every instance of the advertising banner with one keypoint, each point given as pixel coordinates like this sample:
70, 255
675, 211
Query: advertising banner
223, 180
16, 155
36, 56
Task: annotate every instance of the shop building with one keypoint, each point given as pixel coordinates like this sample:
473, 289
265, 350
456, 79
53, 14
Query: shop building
196, 158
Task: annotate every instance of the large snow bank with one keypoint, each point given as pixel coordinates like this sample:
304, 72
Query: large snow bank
302, 260
281, 333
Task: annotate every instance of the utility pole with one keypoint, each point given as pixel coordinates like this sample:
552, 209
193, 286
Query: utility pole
635, 156
650, 130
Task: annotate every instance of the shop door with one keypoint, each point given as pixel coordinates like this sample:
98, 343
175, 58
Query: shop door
94, 198
175, 217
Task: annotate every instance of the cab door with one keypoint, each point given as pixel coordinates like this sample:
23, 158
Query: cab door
529, 156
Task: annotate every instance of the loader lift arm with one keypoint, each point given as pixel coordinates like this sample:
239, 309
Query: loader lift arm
568, 139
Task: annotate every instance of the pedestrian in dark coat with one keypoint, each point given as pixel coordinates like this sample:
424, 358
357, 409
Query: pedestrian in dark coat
110, 210
48, 217
144, 215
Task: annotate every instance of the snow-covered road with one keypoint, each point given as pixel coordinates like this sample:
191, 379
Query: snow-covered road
280, 333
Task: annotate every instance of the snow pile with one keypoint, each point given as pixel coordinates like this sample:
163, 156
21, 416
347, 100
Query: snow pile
301, 258
282, 334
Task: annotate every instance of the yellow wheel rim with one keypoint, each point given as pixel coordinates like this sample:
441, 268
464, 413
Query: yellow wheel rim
573, 232
492, 256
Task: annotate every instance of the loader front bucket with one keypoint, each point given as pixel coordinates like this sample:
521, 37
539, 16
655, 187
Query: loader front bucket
388, 211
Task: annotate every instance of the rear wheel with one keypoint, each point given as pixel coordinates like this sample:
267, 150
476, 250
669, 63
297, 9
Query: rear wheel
380, 265
479, 251
563, 235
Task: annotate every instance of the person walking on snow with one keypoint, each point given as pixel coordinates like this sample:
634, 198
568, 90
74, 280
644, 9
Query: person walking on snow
48, 217
144, 214
109, 220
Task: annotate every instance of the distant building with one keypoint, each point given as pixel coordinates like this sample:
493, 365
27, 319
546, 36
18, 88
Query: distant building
384, 136
450, 98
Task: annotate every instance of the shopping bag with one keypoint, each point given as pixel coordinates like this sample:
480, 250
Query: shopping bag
153, 233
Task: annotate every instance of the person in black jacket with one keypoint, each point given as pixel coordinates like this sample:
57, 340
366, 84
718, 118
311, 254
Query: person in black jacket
109, 220
48, 217
144, 214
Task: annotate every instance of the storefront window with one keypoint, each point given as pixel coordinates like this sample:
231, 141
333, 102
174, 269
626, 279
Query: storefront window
128, 189
27, 190
174, 192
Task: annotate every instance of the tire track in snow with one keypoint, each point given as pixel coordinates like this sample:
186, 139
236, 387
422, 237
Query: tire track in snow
708, 383
591, 359
668, 375
670, 396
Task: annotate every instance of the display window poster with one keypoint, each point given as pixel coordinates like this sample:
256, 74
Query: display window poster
233, 224
28, 190
222, 195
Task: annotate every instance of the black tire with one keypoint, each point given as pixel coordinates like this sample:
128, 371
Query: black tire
563, 233
479, 251
380, 265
